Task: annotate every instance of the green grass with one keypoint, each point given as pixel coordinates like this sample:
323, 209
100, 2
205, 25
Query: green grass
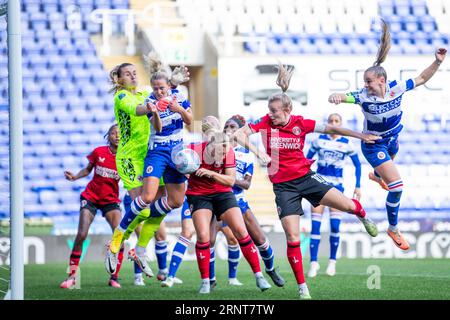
403, 279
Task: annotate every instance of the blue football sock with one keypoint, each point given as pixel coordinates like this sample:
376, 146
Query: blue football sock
266, 252
132, 212
161, 254
393, 201
334, 236
316, 221
233, 260
177, 255
159, 207
212, 262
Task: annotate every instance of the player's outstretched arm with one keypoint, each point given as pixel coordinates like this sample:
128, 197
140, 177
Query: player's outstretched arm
338, 98
81, 174
367, 138
431, 70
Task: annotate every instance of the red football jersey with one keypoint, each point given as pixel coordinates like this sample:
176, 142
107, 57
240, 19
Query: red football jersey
202, 185
284, 144
104, 186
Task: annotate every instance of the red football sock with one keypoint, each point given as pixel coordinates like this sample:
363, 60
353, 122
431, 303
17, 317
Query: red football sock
250, 253
119, 263
203, 256
294, 255
359, 210
74, 261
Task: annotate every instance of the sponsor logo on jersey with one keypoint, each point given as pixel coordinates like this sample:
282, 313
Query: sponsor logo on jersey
100, 159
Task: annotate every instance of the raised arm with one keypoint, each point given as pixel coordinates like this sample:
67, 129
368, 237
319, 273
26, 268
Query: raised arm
431, 70
242, 137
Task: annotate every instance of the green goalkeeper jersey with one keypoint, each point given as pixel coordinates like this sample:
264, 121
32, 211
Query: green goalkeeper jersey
134, 131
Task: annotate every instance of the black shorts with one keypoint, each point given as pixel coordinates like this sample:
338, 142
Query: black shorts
218, 203
289, 194
92, 207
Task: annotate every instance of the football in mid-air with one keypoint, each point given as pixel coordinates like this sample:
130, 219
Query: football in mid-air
187, 161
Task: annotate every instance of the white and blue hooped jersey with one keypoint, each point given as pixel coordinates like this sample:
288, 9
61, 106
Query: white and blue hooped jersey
382, 116
172, 124
244, 166
331, 158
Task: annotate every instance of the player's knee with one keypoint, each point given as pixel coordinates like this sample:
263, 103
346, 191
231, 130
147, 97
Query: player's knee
292, 237
147, 196
175, 203
232, 241
203, 237
188, 233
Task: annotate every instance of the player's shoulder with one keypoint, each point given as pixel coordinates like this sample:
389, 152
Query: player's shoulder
101, 150
177, 94
121, 94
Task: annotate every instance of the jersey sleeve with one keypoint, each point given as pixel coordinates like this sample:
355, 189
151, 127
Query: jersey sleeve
309, 125
249, 166
92, 157
313, 149
181, 99
351, 149
402, 86
124, 102
230, 159
261, 123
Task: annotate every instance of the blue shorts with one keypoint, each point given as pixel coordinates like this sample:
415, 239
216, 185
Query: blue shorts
381, 151
243, 205
185, 211
158, 163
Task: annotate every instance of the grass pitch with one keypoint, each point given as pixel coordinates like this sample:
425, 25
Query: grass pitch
404, 279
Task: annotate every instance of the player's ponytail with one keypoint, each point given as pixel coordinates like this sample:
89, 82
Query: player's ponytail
114, 76
283, 81
156, 68
385, 46
284, 76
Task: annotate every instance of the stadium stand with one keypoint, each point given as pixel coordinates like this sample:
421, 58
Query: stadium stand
67, 108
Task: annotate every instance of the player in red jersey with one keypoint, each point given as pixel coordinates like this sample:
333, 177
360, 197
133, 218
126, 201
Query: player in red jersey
102, 193
283, 135
210, 192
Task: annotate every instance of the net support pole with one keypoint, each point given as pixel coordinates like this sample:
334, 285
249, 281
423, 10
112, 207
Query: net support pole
16, 148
